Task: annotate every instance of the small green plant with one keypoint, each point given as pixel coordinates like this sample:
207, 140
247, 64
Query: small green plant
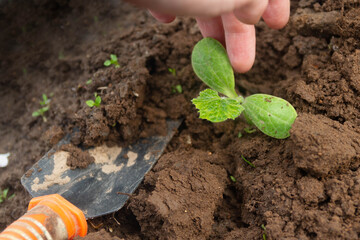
3, 195
249, 130
112, 61
177, 89
272, 115
96, 103
45, 106
172, 71
232, 178
88, 82
264, 233
248, 162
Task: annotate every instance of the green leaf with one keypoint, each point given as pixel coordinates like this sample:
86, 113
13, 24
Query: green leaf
45, 109
272, 115
45, 98
97, 101
212, 65
90, 103
172, 71
88, 81
216, 109
177, 89
36, 114
113, 57
5, 192
248, 162
249, 130
107, 63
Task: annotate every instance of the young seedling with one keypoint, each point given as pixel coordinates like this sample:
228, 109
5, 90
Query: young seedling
249, 130
272, 115
3, 195
177, 89
172, 71
239, 135
248, 162
264, 233
96, 103
232, 178
112, 61
45, 106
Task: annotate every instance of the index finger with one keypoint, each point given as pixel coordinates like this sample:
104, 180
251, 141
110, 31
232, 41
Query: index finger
277, 13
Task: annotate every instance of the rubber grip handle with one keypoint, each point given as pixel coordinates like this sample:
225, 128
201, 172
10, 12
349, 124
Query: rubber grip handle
49, 217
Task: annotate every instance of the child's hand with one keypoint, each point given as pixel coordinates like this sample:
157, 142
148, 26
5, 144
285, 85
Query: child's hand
229, 21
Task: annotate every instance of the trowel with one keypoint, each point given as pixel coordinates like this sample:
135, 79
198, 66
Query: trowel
102, 187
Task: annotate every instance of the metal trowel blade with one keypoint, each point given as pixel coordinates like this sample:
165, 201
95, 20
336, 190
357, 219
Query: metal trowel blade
95, 189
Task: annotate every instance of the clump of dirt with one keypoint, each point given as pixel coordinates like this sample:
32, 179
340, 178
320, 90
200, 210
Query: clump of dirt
337, 145
178, 183
53, 135
77, 158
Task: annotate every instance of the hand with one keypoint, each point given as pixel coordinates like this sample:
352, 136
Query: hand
229, 21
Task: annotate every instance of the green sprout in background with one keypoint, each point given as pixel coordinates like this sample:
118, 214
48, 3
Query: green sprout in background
96, 103
249, 130
45, 106
88, 82
248, 162
264, 233
112, 61
177, 89
272, 115
172, 71
3, 195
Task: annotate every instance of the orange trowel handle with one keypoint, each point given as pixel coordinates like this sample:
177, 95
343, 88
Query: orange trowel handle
49, 217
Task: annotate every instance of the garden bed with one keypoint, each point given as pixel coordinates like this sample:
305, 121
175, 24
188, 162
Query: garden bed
303, 187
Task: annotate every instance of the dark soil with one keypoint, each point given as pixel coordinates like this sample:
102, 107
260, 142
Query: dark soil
77, 157
303, 187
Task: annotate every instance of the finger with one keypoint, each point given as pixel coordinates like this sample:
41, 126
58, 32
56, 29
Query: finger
277, 13
212, 27
240, 42
164, 18
203, 8
251, 12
